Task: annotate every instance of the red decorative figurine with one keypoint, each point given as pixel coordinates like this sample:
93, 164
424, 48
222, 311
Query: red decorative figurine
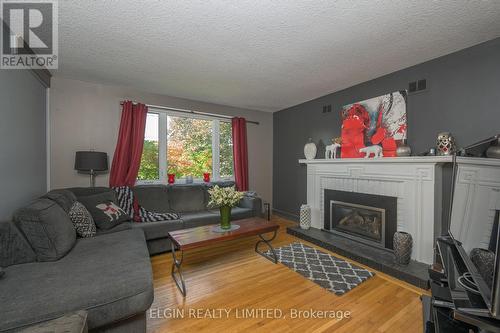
356, 120
171, 178
206, 177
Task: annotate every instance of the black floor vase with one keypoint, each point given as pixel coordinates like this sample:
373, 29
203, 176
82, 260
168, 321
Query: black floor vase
403, 244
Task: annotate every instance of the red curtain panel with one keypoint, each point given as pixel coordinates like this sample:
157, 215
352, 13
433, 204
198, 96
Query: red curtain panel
128, 152
240, 153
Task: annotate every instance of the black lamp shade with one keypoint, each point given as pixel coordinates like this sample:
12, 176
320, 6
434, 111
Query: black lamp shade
91, 160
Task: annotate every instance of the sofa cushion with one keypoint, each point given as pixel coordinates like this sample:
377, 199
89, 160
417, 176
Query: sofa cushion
109, 276
153, 197
187, 198
82, 220
237, 213
155, 230
212, 216
222, 183
14, 248
86, 191
160, 245
196, 219
64, 198
104, 209
160, 229
252, 202
119, 227
47, 228
75, 322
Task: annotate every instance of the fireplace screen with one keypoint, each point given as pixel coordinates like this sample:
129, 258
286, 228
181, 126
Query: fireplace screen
361, 222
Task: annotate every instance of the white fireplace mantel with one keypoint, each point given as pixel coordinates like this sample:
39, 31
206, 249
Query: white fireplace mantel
383, 160
416, 182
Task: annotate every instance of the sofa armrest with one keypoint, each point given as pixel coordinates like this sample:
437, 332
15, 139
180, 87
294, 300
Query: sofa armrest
254, 203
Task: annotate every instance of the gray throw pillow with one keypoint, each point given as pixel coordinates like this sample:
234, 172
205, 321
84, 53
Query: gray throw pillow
104, 210
47, 228
187, 198
64, 198
82, 220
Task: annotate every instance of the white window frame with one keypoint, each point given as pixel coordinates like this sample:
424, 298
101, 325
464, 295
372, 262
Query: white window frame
163, 147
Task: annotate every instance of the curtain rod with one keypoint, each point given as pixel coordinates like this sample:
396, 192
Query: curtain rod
193, 112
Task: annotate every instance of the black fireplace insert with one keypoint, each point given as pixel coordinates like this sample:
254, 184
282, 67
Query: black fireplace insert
367, 218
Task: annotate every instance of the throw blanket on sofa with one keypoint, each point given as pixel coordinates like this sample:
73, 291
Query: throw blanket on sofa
127, 202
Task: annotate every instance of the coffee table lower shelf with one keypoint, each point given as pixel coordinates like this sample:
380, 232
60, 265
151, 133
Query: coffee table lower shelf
183, 240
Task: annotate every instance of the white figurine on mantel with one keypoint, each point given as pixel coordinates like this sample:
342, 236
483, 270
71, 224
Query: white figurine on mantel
376, 150
331, 150
310, 150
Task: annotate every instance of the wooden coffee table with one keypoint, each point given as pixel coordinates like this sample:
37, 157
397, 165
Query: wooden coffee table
193, 238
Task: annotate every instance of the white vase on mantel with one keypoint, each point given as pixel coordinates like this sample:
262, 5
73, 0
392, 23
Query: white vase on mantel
310, 150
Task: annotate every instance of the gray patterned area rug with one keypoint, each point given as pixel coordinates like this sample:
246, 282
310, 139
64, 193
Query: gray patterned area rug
331, 273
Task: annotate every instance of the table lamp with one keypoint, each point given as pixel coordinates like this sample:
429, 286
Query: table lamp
91, 162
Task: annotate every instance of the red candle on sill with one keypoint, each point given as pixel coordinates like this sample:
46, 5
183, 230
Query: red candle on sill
171, 178
206, 177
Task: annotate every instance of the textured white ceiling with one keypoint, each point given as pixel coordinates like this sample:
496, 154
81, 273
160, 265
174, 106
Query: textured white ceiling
258, 54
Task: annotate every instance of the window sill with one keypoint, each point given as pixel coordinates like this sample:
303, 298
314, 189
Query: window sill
181, 181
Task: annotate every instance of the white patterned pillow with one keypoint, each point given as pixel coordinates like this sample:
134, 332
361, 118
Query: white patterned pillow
149, 216
126, 200
82, 220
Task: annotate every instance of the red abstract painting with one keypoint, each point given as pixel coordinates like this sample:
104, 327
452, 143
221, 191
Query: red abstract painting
379, 121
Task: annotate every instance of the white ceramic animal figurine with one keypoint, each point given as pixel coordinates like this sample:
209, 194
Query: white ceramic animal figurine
376, 150
331, 150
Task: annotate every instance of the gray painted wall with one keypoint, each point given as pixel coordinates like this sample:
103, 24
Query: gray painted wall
23, 155
462, 96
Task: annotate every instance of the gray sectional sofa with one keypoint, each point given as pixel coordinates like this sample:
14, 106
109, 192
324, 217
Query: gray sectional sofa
190, 201
49, 272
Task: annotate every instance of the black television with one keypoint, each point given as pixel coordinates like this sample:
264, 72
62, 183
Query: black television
474, 279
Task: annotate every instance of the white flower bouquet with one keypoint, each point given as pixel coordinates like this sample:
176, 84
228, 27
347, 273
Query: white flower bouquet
224, 196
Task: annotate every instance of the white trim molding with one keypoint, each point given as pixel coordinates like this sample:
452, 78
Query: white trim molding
47, 136
475, 201
416, 182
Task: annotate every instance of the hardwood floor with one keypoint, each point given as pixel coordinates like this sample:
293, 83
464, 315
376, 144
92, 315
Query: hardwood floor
232, 277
